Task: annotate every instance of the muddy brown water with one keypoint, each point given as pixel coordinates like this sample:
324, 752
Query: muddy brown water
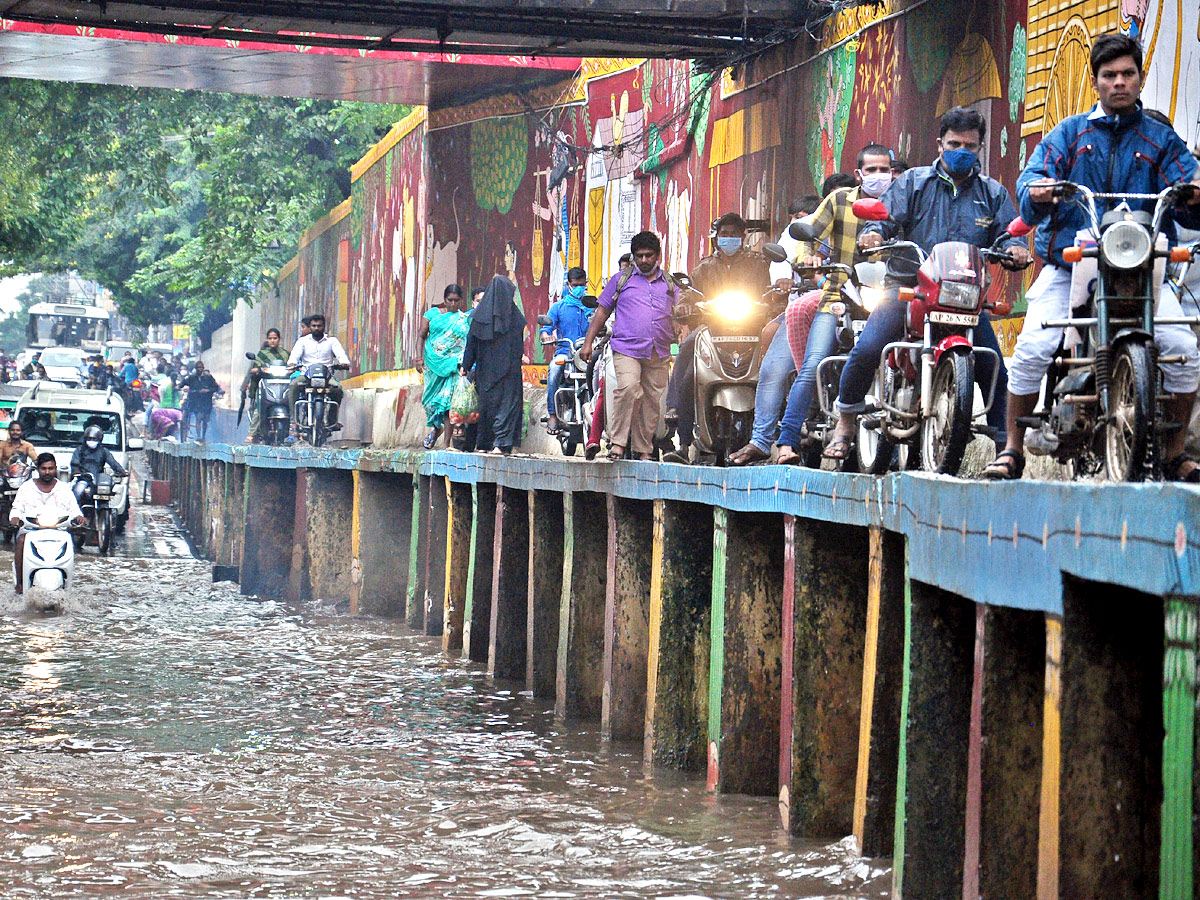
166, 737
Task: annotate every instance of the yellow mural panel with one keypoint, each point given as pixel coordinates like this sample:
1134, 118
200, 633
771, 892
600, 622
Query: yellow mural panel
728, 139
971, 75
764, 126
595, 223
1060, 42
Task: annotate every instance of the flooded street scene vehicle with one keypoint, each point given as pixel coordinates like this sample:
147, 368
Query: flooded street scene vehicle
877, 323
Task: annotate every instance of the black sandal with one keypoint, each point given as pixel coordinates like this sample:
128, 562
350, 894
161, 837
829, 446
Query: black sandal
1008, 465
1171, 470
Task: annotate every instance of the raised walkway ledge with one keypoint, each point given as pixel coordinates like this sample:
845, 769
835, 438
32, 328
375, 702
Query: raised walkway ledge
995, 543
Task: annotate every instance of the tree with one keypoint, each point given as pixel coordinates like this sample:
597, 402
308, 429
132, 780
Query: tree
178, 202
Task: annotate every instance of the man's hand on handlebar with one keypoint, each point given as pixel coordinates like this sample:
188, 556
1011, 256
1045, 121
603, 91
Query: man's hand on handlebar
1021, 257
585, 351
868, 240
1043, 191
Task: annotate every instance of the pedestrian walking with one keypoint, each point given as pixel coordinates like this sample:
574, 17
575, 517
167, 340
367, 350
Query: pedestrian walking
495, 344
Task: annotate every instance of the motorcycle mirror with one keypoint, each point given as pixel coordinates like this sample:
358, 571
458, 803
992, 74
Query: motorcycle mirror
775, 252
1018, 227
250, 356
682, 279
802, 231
870, 210
545, 320
590, 301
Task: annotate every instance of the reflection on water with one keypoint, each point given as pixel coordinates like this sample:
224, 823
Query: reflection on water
168, 738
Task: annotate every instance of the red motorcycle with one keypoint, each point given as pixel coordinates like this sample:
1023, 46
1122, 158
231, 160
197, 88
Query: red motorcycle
922, 401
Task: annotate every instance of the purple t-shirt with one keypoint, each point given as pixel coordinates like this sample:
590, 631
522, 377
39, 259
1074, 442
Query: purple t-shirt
642, 327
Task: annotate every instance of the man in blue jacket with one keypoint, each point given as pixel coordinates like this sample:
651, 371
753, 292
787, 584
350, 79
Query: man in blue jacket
951, 200
1114, 148
570, 318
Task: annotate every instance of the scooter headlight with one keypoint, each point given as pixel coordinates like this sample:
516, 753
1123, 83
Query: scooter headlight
733, 306
870, 297
1125, 245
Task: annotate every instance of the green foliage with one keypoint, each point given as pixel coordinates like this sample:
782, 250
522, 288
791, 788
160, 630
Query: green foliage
178, 202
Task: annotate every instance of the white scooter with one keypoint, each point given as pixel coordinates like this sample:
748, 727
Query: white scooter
48, 557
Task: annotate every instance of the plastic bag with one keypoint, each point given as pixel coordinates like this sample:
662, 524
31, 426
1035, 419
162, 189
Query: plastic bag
464, 403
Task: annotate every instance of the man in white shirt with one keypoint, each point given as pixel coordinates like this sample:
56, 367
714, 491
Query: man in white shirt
44, 494
315, 347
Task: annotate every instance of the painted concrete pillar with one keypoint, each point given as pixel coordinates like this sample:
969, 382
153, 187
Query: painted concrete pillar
329, 519
1004, 757
385, 526
935, 724
579, 682
458, 564
477, 610
679, 635
235, 518
510, 585
883, 676
1110, 788
270, 514
414, 606
545, 590
1178, 871
824, 623
435, 556
626, 618
298, 584
745, 667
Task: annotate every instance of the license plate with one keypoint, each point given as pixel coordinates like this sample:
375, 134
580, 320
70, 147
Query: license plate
735, 339
949, 318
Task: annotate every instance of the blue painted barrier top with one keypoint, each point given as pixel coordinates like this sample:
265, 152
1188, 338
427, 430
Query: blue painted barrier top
1002, 543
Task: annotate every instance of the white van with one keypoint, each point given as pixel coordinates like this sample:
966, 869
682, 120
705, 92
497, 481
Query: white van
54, 419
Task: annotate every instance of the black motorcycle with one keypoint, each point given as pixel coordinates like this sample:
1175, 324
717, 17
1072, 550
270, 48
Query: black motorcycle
573, 400
95, 501
316, 410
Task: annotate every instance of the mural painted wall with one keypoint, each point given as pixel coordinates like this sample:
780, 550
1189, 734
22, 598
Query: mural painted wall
565, 175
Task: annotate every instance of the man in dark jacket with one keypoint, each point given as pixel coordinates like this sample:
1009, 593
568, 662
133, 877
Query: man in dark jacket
91, 457
201, 388
1114, 148
950, 200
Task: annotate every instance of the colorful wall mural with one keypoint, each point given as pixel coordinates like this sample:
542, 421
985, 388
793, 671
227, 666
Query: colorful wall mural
530, 186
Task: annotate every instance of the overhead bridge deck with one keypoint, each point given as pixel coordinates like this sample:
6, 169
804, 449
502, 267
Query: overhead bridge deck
993, 683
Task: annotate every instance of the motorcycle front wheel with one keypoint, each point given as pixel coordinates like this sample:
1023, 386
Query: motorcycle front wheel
1129, 431
873, 448
317, 431
104, 530
946, 432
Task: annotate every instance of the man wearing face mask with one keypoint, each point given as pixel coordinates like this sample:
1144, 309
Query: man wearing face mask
950, 200
91, 457
730, 267
570, 323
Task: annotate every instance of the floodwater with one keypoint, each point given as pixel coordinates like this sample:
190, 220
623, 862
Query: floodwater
166, 737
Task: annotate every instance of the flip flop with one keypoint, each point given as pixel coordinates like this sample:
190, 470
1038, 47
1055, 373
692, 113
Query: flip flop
839, 441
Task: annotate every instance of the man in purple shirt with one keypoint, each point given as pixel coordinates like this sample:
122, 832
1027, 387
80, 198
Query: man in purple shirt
641, 345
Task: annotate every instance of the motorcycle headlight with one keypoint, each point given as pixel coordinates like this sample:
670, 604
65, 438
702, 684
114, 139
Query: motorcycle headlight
959, 295
733, 306
317, 382
870, 297
1126, 245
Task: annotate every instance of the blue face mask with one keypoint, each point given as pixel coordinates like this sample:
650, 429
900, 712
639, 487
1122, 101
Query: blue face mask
729, 245
959, 161
576, 290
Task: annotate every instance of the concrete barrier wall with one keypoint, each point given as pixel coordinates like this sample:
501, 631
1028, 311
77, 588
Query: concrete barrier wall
995, 685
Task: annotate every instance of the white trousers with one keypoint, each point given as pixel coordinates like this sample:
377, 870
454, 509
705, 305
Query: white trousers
1049, 299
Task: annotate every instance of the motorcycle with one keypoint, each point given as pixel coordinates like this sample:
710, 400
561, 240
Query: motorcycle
573, 399
316, 410
728, 357
272, 399
95, 501
860, 293
1101, 402
924, 391
48, 556
20, 469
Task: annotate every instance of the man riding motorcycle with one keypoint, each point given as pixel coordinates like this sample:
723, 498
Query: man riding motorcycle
312, 348
91, 457
950, 200
16, 445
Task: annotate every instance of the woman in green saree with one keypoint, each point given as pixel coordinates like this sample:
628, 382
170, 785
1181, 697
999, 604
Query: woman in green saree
445, 334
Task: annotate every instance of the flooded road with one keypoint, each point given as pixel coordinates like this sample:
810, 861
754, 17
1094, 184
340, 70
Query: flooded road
167, 737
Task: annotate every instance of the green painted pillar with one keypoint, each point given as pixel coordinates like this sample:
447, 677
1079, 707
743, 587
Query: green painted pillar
418, 559
1177, 861
435, 556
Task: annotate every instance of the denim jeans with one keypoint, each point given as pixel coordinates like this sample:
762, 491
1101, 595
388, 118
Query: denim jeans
886, 325
553, 381
822, 340
777, 365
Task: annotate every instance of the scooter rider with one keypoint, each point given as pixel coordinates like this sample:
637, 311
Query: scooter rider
91, 457
1112, 148
570, 322
950, 200
315, 347
36, 496
270, 354
730, 267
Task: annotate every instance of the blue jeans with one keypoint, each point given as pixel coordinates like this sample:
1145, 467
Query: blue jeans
822, 340
553, 380
773, 374
886, 325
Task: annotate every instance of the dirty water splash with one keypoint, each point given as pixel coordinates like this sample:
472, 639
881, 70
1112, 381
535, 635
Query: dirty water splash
166, 737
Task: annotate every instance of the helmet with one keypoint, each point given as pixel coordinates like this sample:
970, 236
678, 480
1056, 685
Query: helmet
93, 433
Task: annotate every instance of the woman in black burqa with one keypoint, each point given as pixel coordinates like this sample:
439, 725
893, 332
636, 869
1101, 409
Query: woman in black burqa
495, 344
